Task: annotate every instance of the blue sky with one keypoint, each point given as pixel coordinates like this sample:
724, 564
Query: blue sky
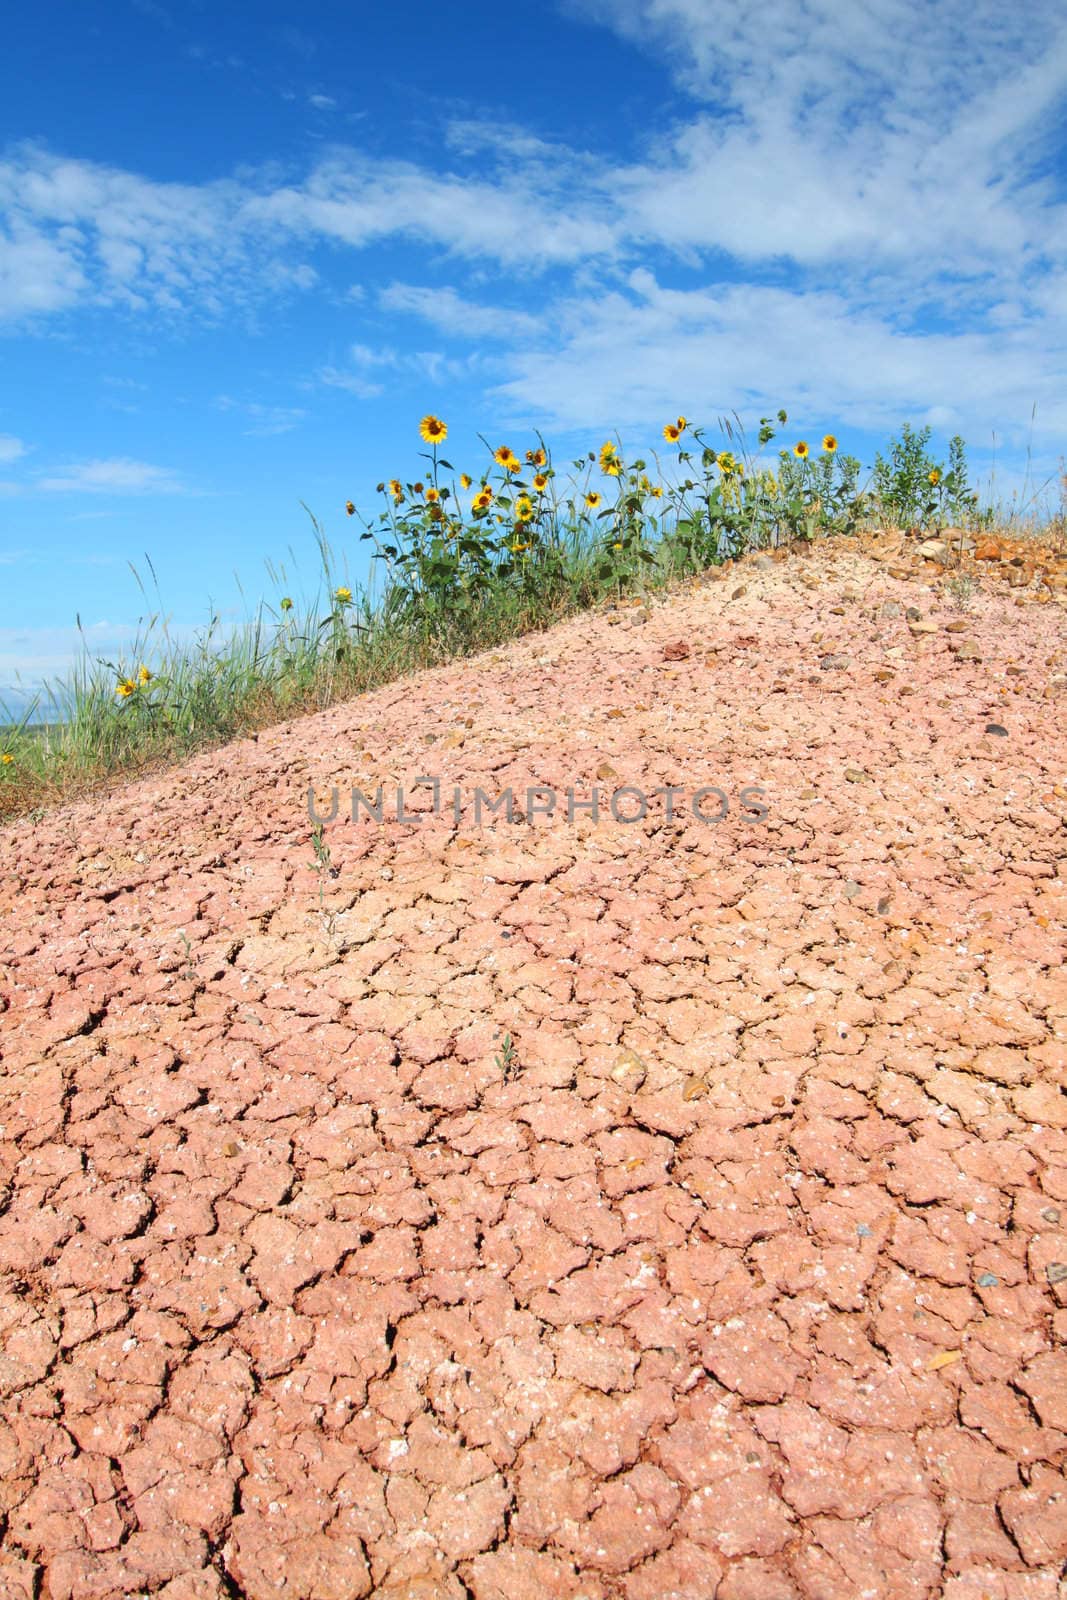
245, 247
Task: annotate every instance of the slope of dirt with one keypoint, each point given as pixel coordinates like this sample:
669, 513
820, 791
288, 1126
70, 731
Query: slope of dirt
741, 1272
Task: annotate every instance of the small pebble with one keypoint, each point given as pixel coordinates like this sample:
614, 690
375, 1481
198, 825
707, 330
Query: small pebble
995, 727
988, 1280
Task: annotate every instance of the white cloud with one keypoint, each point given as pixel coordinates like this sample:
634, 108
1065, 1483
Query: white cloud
267, 421
117, 476
322, 102
37, 274
647, 352
435, 366
450, 312
10, 447
82, 232
351, 200
861, 204
353, 382
824, 147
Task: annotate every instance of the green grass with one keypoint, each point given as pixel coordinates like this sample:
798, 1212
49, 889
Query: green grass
228, 683
458, 576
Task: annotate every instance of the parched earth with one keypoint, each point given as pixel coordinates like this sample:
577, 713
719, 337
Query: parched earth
552, 1207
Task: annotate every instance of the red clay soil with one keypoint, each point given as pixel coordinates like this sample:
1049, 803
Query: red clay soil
743, 1274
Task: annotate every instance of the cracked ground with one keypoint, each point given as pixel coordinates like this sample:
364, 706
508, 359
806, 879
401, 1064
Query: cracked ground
555, 1208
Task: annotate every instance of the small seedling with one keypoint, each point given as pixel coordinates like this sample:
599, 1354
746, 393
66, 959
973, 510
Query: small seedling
324, 866
190, 970
961, 588
506, 1060
323, 860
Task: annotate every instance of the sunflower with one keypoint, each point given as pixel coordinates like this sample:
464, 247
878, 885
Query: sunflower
657, 492
417, 488
350, 508
396, 489
143, 675
433, 430
682, 424
536, 458
617, 545
517, 546
342, 595
672, 433
506, 458
800, 449
6, 759
592, 499
436, 514
465, 480
433, 495
523, 508
934, 476
126, 688
482, 501
829, 443
540, 482
724, 461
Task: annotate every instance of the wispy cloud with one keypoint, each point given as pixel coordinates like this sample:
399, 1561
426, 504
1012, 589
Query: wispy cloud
820, 149
816, 205
356, 378
118, 476
449, 311
352, 382
645, 351
371, 368
322, 102
295, 39
10, 447
266, 421
158, 13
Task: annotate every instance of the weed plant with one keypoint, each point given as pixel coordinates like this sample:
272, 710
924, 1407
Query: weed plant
463, 562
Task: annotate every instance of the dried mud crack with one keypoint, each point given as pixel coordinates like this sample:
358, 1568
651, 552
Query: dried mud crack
561, 1208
